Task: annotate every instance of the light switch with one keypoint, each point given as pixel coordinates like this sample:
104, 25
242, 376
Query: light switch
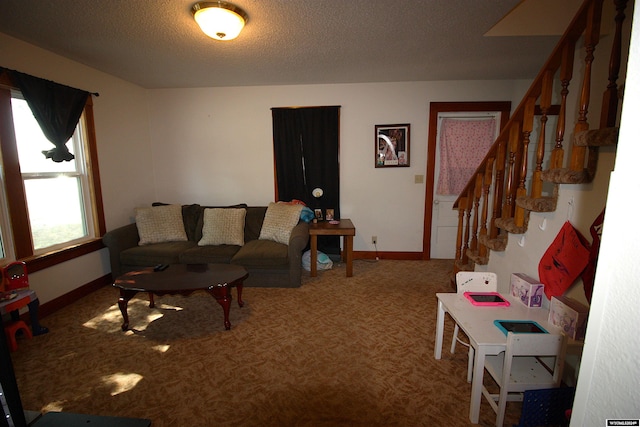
419, 179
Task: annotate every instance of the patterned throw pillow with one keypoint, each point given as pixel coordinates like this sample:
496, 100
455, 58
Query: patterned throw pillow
159, 224
279, 222
223, 227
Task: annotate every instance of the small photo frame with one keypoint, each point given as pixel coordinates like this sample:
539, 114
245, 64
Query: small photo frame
329, 215
318, 214
392, 145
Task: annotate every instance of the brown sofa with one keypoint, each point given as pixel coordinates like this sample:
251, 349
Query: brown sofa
269, 263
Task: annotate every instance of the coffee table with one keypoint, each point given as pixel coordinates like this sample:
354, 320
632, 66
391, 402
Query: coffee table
182, 279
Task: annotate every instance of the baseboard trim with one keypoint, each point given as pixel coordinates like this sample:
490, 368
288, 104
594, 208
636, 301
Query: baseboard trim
408, 256
73, 296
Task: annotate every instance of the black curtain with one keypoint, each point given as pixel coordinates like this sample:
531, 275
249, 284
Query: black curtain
306, 147
57, 109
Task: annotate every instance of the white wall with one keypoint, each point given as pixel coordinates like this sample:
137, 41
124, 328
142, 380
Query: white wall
214, 146
579, 204
123, 150
610, 372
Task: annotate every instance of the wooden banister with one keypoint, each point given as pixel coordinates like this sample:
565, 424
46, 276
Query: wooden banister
503, 174
566, 71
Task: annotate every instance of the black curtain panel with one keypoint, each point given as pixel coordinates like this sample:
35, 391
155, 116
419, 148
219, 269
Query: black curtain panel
288, 154
57, 109
306, 147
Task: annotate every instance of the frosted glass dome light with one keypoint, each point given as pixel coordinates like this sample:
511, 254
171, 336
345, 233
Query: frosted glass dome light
219, 20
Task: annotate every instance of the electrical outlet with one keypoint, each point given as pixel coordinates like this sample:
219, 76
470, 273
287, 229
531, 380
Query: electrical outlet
374, 240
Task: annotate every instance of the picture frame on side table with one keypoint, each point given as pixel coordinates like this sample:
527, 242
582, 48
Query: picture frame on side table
392, 144
329, 215
318, 214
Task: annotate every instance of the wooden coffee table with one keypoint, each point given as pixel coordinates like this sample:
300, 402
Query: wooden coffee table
183, 279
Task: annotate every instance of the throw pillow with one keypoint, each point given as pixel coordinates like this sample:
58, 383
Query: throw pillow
159, 224
279, 221
223, 227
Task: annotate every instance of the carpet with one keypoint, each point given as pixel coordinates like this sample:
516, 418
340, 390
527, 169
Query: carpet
335, 352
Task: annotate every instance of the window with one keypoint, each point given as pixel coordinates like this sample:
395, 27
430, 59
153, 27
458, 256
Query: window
6, 250
50, 210
59, 212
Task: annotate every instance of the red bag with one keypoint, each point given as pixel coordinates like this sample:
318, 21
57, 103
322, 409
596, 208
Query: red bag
563, 261
589, 274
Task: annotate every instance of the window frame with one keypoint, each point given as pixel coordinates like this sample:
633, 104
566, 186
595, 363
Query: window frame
16, 198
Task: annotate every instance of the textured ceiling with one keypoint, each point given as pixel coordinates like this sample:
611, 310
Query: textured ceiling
157, 44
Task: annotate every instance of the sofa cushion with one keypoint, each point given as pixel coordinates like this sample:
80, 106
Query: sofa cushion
200, 224
253, 222
262, 253
190, 216
159, 253
158, 224
279, 221
218, 254
223, 227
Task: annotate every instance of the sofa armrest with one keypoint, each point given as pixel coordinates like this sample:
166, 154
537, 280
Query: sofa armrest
297, 243
298, 240
117, 240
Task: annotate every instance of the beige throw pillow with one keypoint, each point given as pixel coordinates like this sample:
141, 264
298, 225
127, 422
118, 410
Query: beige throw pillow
223, 227
159, 224
279, 222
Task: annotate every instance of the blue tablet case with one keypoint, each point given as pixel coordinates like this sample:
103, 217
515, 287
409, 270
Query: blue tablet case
519, 327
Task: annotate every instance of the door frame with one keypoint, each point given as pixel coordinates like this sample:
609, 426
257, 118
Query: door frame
435, 108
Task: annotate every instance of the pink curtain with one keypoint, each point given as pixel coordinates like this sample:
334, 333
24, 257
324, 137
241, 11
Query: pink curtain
463, 145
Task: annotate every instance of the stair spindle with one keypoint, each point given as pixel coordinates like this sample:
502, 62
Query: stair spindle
591, 38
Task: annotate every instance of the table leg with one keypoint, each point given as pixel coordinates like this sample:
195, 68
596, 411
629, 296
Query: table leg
222, 294
239, 290
36, 327
476, 385
348, 248
437, 351
123, 301
314, 255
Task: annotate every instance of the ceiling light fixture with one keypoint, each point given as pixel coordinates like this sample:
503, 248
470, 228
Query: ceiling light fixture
219, 20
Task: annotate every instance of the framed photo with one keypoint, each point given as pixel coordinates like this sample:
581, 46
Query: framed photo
318, 213
329, 215
392, 145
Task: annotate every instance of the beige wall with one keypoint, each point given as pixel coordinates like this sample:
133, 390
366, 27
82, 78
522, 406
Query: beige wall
610, 372
214, 146
124, 151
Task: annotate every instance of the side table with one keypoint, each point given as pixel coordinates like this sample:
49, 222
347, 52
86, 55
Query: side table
344, 228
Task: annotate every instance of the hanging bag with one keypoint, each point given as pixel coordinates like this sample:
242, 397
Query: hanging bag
563, 261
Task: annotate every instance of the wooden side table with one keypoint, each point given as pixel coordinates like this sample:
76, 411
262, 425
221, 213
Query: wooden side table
344, 228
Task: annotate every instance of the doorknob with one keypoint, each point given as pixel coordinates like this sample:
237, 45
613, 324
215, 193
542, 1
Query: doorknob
436, 202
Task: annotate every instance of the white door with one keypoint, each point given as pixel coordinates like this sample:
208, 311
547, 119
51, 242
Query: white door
444, 223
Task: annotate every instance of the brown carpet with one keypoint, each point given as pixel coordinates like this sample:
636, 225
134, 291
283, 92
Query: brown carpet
334, 352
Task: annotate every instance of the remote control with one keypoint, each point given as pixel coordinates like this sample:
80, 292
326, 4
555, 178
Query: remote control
160, 267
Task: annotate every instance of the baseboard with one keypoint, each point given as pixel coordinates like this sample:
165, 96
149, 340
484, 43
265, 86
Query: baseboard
73, 296
408, 256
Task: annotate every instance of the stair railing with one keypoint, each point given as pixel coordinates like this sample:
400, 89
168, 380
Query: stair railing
503, 174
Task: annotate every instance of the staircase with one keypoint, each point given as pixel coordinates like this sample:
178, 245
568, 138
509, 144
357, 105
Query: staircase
522, 171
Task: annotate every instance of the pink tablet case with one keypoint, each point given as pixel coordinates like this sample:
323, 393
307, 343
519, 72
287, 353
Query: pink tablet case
504, 302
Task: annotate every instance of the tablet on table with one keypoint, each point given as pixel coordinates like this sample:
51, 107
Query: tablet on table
519, 326
486, 298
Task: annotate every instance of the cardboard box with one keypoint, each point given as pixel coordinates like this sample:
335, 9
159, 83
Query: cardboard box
527, 290
569, 315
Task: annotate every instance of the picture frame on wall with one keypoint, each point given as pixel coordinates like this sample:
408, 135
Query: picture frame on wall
392, 143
